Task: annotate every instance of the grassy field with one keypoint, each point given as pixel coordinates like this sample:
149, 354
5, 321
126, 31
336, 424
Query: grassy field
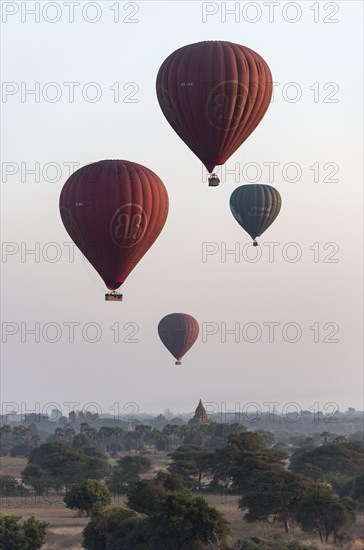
65, 526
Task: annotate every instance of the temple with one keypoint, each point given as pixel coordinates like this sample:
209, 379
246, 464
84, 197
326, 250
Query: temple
200, 415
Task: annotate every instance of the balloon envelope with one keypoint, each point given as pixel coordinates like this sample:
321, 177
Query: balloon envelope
178, 332
255, 207
114, 210
214, 94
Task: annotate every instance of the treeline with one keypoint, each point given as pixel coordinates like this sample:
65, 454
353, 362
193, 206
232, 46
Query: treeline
18, 440
287, 422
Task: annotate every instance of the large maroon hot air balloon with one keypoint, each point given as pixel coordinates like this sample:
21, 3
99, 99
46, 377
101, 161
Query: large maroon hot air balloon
114, 210
214, 94
178, 332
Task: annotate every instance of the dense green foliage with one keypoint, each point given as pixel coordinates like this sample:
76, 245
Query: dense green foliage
191, 462
14, 535
187, 522
91, 497
173, 518
58, 465
18, 440
274, 495
243, 455
101, 531
127, 472
354, 489
146, 494
334, 463
324, 513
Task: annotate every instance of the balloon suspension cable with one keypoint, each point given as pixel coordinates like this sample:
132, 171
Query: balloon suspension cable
113, 296
255, 243
213, 180
178, 363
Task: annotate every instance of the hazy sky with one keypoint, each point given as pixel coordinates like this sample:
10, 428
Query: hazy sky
111, 52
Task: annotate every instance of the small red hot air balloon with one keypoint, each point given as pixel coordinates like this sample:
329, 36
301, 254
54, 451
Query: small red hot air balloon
114, 210
178, 332
214, 94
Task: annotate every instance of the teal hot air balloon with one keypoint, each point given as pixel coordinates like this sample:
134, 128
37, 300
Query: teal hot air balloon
255, 207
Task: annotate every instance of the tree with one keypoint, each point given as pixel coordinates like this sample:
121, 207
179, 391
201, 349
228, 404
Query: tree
130, 534
26, 536
191, 462
145, 436
244, 442
127, 472
267, 438
5, 439
334, 463
325, 513
101, 531
146, 494
244, 456
219, 434
171, 520
58, 465
111, 438
90, 497
19, 440
37, 478
325, 435
274, 495
186, 522
354, 489
64, 432
339, 439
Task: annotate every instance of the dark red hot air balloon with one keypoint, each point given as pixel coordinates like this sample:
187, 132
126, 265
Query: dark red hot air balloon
178, 332
214, 94
114, 210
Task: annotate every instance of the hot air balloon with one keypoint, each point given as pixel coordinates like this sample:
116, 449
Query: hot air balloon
255, 207
178, 332
214, 94
114, 210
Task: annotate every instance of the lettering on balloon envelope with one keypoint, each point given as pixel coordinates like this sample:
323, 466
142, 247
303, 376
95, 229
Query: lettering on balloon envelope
259, 211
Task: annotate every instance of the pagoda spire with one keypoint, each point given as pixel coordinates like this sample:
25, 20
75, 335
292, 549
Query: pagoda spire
200, 416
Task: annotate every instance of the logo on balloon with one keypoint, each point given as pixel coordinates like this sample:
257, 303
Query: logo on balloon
128, 225
229, 101
259, 211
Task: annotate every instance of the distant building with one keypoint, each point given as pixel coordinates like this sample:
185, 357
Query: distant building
200, 415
